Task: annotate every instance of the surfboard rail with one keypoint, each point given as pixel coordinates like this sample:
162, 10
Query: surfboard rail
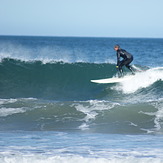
112, 80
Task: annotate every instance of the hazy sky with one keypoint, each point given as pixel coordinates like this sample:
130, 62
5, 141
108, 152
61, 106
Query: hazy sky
101, 18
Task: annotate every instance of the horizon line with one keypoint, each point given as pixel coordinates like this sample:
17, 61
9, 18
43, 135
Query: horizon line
13, 35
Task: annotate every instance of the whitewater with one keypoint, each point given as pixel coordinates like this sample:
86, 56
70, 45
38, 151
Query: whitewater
51, 112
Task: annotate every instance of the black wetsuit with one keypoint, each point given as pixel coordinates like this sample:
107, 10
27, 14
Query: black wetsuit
127, 59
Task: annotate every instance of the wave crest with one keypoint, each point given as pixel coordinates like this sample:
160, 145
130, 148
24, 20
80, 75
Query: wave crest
141, 80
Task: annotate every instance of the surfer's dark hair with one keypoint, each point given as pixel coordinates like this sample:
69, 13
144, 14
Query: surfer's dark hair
116, 46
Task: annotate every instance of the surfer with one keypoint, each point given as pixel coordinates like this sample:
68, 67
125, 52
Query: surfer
127, 59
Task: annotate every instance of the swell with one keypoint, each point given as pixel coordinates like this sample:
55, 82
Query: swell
84, 116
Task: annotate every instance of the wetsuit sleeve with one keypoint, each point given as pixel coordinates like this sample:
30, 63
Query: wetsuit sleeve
118, 58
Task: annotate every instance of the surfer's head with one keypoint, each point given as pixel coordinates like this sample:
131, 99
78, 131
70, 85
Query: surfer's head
116, 47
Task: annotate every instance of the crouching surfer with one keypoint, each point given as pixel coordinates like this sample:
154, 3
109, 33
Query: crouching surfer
127, 59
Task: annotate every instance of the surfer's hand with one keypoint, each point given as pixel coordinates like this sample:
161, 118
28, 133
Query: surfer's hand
117, 66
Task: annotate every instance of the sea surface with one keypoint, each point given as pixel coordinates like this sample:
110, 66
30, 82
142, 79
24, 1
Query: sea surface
50, 112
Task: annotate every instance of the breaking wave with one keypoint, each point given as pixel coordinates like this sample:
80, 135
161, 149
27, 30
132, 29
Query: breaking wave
70, 81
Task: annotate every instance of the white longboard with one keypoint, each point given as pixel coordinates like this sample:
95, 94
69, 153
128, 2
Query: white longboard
112, 80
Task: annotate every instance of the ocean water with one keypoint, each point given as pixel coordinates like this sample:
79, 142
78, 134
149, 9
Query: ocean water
51, 112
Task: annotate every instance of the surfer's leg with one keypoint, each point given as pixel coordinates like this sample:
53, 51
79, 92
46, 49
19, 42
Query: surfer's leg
120, 73
127, 64
130, 68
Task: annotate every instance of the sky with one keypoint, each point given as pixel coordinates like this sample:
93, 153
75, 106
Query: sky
84, 18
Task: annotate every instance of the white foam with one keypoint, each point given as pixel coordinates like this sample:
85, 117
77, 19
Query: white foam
6, 110
141, 80
92, 110
73, 159
12, 100
158, 115
9, 111
7, 101
158, 120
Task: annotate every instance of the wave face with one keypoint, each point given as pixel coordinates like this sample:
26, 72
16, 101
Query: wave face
69, 81
57, 81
